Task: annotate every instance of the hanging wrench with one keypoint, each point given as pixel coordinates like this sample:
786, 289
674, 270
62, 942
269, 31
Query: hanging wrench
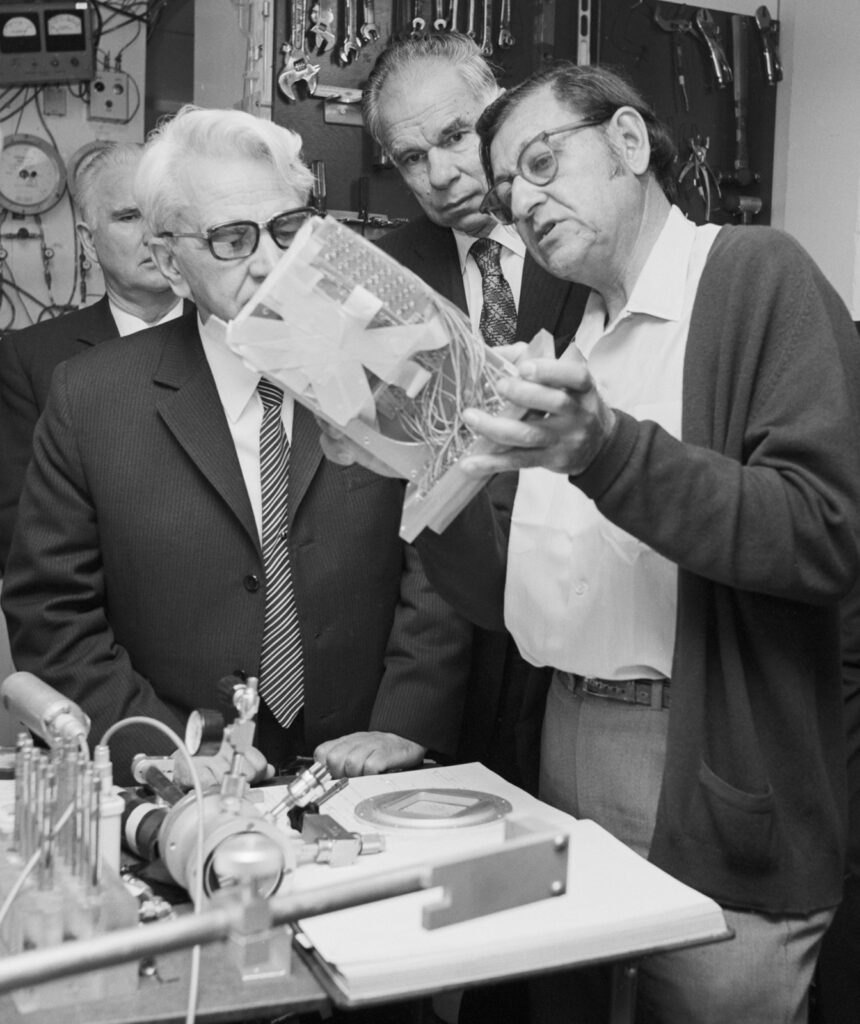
439, 22
768, 30
369, 31
506, 38
419, 22
487, 29
454, 17
297, 68
351, 43
321, 21
710, 31
472, 21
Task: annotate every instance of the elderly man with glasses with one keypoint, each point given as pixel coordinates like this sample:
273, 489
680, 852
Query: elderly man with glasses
684, 529
180, 525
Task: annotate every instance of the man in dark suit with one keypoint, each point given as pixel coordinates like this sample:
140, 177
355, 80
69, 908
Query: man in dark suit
420, 104
137, 576
137, 295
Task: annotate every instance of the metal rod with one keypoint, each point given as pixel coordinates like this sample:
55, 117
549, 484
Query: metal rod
211, 925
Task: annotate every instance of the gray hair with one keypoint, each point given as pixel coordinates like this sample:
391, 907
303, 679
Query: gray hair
593, 92
85, 187
453, 48
164, 182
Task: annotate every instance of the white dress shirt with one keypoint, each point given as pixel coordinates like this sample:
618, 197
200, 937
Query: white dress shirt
583, 595
511, 260
128, 323
237, 389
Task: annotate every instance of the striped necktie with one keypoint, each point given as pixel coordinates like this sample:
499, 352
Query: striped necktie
498, 324
281, 663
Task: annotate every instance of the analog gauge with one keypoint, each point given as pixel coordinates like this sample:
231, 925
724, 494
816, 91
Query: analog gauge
32, 175
64, 24
204, 732
19, 33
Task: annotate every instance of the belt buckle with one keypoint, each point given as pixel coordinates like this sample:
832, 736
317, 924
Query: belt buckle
622, 690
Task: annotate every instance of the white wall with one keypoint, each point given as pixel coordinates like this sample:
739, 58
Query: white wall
817, 149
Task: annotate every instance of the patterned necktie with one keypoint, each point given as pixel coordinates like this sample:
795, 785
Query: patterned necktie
498, 323
281, 664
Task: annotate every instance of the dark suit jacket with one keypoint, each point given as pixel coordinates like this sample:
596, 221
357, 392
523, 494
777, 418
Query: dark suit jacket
505, 696
135, 578
27, 360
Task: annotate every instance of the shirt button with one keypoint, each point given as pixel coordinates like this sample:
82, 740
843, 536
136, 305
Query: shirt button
581, 587
251, 583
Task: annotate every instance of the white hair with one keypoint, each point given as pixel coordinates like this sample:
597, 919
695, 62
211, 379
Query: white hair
164, 183
85, 187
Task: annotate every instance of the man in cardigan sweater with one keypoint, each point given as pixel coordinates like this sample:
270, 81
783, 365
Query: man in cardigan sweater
684, 529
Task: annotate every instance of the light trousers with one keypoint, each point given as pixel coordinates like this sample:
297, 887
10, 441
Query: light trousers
603, 759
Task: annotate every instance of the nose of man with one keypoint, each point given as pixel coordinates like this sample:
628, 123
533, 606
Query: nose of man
441, 168
266, 255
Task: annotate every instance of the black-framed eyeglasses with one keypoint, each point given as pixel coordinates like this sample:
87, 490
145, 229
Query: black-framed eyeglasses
537, 163
240, 238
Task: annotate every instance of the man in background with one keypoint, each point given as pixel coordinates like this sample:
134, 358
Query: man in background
137, 295
179, 523
420, 104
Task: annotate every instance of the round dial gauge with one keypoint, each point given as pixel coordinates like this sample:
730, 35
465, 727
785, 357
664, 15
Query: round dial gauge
32, 175
204, 732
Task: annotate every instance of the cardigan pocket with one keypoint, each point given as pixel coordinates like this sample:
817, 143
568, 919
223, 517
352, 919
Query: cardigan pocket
742, 823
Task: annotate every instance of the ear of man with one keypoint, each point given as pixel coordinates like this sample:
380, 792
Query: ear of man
628, 134
164, 258
85, 237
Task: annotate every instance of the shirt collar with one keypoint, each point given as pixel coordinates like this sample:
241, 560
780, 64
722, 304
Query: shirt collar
236, 382
660, 288
127, 323
503, 233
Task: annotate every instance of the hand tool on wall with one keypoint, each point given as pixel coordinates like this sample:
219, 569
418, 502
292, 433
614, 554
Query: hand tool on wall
506, 37
440, 23
319, 187
472, 20
487, 29
743, 176
745, 207
583, 32
454, 16
677, 24
351, 42
710, 33
369, 30
768, 30
701, 175
419, 22
297, 68
322, 17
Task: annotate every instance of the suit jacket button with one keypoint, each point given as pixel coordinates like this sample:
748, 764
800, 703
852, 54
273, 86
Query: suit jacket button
252, 583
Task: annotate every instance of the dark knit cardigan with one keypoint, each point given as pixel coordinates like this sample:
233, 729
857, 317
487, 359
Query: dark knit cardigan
758, 505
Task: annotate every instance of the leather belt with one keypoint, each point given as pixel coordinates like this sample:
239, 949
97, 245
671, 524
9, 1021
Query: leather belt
651, 693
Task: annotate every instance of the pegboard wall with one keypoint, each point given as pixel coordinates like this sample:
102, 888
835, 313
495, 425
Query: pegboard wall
50, 124
656, 44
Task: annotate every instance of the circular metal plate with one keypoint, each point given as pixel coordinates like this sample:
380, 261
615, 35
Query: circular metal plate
432, 808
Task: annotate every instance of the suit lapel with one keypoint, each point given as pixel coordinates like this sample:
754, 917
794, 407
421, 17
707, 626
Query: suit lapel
99, 325
187, 401
437, 263
305, 455
542, 298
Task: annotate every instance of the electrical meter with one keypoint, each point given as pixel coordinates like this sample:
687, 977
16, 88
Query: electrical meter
32, 175
46, 41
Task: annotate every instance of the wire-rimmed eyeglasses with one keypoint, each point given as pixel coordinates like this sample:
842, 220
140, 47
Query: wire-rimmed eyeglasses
240, 238
537, 163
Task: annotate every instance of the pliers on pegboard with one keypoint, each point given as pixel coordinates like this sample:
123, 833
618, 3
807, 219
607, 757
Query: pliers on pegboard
702, 176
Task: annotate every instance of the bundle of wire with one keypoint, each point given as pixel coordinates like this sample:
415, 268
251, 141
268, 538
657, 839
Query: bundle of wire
461, 375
